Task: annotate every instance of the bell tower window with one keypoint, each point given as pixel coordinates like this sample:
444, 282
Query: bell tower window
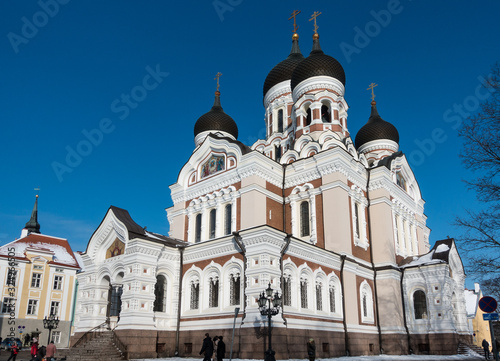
308, 117
280, 121
326, 116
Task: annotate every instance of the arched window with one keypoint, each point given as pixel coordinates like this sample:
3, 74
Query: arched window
197, 228
308, 117
195, 296
160, 294
227, 221
325, 114
319, 296
287, 291
333, 303
212, 223
304, 219
303, 293
234, 290
366, 302
420, 305
277, 152
400, 180
213, 296
280, 121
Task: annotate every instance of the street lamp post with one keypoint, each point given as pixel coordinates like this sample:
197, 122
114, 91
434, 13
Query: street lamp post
269, 305
50, 324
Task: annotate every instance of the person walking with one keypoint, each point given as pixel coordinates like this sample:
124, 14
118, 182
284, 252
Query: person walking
13, 351
221, 349
486, 348
216, 341
311, 349
34, 348
207, 348
51, 351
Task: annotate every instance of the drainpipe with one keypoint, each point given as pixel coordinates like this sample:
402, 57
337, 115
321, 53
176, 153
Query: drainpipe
179, 300
288, 239
346, 335
239, 242
381, 349
410, 351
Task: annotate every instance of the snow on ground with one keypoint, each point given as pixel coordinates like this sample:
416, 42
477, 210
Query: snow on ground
351, 358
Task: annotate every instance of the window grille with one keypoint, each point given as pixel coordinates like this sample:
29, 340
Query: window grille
195, 296
303, 294
304, 219
319, 296
214, 293
287, 283
235, 290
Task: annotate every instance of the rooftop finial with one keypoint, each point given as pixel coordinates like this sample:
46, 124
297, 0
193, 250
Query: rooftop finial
314, 16
371, 86
217, 76
295, 26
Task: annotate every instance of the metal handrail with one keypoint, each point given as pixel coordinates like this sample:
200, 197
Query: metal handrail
119, 344
90, 334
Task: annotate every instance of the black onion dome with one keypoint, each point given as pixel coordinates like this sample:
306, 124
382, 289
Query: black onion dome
376, 128
317, 64
216, 120
284, 70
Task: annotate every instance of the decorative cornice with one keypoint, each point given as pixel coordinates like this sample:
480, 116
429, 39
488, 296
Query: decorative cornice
277, 91
318, 82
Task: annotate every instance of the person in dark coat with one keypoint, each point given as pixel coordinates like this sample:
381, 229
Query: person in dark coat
311, 349
207, 348
486, 348
221, 349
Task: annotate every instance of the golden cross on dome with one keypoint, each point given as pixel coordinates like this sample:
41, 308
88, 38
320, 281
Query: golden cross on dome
314, 16
372, 85
217, 76
294, 14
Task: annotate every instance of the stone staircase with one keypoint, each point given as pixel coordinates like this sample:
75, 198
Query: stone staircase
470, 350
101, 347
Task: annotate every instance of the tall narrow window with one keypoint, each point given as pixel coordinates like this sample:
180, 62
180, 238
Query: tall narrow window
420, 305
287, 291
365, 305
227, 221
400, 180
308, 117
333, 306
197, 228
235, 290
325, 114
213, 300
212, 223
195, 296
160, 286
303, 293
304, 219
319, 297
280, 121
54, 308
356, 219
277, 152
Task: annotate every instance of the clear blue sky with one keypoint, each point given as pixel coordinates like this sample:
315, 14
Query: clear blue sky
64, 69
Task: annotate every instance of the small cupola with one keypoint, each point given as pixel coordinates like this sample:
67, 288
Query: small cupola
377, 136
215, 121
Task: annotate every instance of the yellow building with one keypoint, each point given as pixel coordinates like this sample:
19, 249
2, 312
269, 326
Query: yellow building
38, 274
480, 327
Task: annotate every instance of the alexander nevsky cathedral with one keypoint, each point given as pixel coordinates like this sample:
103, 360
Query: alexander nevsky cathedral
332, 222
